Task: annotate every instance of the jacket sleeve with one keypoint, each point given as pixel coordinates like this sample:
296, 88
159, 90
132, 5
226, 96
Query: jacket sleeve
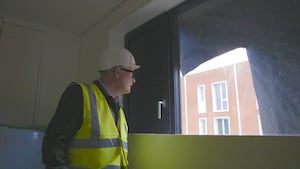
62, 128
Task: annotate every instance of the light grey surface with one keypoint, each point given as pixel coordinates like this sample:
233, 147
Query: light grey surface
20, 148
73, 16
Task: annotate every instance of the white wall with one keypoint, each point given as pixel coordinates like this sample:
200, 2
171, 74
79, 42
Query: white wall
60, 65
57, 58
38, 63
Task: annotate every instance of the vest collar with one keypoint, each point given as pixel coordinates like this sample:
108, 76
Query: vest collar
106, 92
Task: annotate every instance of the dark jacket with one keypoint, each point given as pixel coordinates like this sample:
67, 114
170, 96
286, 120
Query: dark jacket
65, 123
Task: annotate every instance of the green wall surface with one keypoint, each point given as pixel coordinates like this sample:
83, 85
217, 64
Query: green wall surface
155, 151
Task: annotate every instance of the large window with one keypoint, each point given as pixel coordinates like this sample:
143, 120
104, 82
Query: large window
223, 87
220, 97
207, 29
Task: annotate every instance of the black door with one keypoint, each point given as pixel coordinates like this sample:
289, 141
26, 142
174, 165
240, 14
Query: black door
148, 105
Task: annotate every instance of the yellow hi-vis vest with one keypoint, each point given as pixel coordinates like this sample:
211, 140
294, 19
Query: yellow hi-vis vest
99, 143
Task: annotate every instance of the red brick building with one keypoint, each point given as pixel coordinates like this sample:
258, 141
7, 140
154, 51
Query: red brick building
220, 100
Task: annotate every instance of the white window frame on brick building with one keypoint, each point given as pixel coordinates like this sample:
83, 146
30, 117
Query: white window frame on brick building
201, 99
222, 126
202, 126
220, 96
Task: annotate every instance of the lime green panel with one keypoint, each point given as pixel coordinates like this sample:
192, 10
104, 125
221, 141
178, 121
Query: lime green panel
150, 151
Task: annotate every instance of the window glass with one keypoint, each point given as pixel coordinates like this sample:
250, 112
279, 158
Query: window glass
209, 29
229, 100
222, 126
201, 99
220, 96
202, 126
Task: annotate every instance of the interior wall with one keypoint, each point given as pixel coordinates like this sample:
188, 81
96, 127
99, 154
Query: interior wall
53, 64
59, 69
19, 69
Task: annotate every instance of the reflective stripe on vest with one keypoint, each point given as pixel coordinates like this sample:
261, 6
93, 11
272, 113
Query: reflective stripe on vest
99, 143
107, 167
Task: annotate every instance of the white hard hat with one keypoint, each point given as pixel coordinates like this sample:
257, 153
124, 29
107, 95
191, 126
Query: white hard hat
115, 56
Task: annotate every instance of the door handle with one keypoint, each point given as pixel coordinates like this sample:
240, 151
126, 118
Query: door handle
161, 104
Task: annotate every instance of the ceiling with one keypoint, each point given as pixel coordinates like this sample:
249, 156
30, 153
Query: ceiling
74, 16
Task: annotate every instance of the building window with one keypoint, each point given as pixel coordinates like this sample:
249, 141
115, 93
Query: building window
201, 99
202, 126
221, 125
220, 97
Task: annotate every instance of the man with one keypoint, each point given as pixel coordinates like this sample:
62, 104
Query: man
89, 129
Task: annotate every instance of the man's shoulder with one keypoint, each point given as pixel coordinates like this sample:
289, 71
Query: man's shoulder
73, 87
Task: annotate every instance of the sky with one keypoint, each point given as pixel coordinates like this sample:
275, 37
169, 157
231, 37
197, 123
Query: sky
232, 57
